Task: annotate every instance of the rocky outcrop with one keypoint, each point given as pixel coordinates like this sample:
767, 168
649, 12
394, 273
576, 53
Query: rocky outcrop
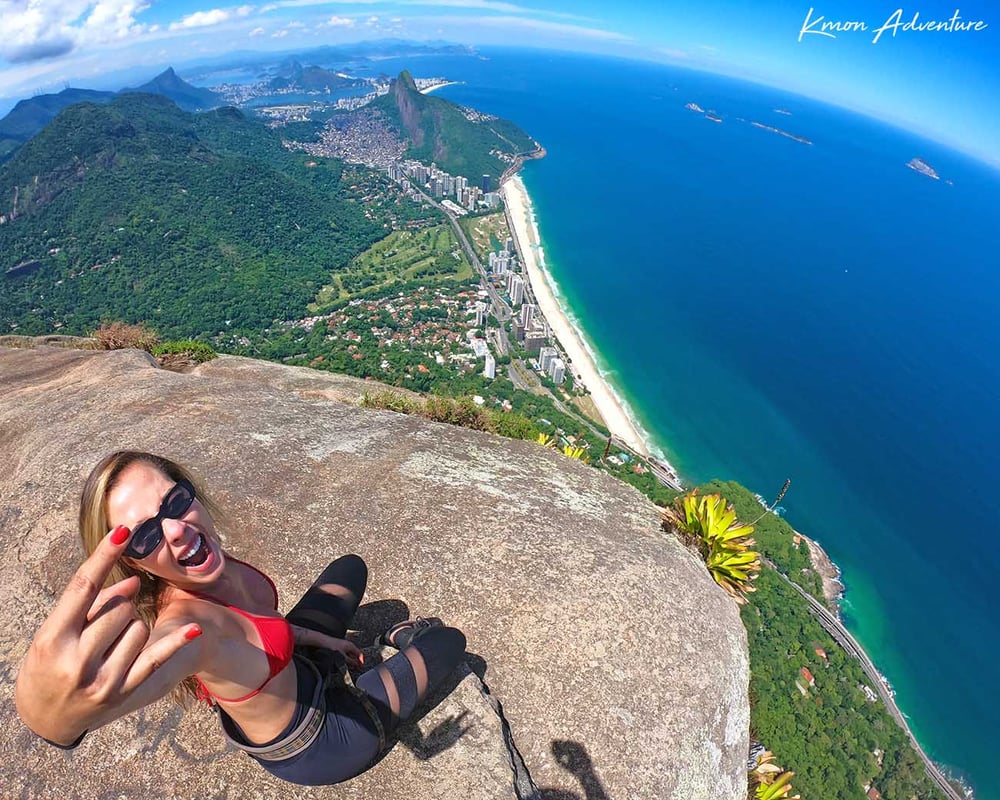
603, 661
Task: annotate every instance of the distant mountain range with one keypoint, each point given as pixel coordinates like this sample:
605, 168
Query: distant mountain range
292, 75
29, 116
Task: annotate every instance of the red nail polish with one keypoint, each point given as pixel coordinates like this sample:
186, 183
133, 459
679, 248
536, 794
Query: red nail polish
193, 633
119, 534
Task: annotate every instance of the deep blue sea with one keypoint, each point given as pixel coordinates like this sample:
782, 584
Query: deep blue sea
774, 310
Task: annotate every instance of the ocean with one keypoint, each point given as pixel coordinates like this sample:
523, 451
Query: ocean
771, 309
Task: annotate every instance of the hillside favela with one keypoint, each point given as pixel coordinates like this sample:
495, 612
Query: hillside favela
482, 400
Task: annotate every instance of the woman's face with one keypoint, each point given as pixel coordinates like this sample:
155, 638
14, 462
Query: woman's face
189, 556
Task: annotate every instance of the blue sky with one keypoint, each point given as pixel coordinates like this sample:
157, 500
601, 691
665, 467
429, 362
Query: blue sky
942, 84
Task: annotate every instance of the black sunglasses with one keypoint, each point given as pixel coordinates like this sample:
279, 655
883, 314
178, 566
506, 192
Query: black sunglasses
147, 535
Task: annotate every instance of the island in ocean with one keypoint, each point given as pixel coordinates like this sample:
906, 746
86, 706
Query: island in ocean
780, 132
921, 166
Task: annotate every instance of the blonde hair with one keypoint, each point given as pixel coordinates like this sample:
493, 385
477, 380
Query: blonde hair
94, 526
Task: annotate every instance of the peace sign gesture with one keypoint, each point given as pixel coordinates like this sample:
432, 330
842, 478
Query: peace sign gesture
87, 659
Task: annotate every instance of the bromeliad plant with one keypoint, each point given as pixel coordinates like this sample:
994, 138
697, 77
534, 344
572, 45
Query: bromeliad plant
769, 782
568, 450
709, 523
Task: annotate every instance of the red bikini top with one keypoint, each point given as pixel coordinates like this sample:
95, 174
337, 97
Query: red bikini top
275, 636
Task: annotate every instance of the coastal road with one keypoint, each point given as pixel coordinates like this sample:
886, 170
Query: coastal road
833, 626
500, 309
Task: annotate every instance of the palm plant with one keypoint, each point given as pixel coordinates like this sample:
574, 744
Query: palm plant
710, 523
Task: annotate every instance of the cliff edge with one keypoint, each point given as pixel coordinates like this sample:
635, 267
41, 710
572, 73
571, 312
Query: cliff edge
620, 668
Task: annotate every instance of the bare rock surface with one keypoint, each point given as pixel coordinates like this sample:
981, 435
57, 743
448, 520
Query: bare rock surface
620, 666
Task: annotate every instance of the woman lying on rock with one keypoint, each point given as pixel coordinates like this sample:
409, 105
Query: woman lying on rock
183, 615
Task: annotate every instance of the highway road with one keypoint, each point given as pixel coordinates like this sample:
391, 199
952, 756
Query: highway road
829, 621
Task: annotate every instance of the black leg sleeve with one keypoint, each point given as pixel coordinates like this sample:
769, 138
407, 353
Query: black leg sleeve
331, 601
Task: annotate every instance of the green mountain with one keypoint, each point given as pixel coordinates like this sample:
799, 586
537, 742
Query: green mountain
195, 223
459, 141
29, 116
188, 97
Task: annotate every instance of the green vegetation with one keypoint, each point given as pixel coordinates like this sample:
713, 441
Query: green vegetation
486, 232
200, 224
826, 729
188, 349
459, 142
768, 781
431, 255
32, 114
463, 411
775, 538
710, 523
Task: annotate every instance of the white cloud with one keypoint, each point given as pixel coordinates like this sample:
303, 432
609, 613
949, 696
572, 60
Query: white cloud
280, 34
256, 32
339, 22
371, 21
203, 19
41, 29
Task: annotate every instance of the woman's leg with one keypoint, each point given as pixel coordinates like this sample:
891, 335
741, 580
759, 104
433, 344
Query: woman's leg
331, 601
398, 684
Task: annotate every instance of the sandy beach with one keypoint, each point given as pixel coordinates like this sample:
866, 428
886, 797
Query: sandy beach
582, 365
436, 86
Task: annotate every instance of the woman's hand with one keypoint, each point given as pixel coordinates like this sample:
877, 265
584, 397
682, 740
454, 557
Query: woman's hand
310, 638
87, 659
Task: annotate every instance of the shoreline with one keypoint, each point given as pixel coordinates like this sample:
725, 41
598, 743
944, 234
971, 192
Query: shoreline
828, 571
436, 86
582, 362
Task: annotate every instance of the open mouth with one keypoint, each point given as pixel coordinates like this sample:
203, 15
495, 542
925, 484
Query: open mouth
196, 554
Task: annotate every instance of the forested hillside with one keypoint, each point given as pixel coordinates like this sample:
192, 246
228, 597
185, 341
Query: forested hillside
139, 211
460, 143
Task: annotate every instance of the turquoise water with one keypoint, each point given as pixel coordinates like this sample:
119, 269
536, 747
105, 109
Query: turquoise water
776, 310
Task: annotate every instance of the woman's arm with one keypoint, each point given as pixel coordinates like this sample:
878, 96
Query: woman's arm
91, 655
311, 638
164, 677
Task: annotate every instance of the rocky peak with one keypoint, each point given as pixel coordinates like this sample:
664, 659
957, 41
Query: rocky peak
603, 660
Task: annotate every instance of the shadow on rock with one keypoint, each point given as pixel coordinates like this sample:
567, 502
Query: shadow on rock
573, 757
373, 618
437, 740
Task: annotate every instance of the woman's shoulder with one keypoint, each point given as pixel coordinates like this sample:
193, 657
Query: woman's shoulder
255, 585
181, 608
